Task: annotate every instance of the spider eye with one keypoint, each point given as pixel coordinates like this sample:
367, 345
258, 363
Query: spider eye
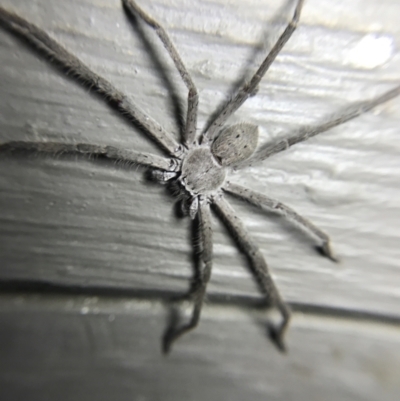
235, 144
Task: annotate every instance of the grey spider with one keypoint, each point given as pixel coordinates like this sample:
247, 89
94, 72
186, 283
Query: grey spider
198, 167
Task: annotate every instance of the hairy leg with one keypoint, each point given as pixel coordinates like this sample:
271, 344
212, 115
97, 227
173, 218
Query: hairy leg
58, 55
258, 265
199, 289
273, 205
109, 152
193, 97
247, 89
304, 133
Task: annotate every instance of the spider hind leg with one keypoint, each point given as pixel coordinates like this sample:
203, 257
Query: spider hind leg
198, 291
258, 267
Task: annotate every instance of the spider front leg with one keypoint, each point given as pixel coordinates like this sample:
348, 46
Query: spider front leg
109, 152
248, 88
349, 113
74, 67
193, 97
199, 290
258, 265
263, 201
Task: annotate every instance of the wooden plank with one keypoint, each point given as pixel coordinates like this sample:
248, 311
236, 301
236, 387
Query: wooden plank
68, 347
77, 223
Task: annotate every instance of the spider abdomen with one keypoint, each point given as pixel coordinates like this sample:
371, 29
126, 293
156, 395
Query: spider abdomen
201, 174
235, 144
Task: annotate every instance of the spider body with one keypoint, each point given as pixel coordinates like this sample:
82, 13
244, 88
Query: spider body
204, 167
198, 167
201, 174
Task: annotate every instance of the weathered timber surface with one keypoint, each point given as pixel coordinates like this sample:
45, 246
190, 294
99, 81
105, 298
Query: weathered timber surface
102, 229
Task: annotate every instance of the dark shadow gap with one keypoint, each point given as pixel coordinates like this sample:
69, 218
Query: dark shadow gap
30, 287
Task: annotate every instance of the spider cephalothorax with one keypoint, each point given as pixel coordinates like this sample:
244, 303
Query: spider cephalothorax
204, 167
201, 173
199, 167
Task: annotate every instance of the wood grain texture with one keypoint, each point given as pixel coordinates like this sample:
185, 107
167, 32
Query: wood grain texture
72, 223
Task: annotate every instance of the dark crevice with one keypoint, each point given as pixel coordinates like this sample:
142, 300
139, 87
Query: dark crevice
20, 287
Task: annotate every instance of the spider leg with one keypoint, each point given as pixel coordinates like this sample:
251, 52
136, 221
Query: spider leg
64, 59
248, 88
258, 265
193, 97
109, 152
199, 290
263, 201
304, 133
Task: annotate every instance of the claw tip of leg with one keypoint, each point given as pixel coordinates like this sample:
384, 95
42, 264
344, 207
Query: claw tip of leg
325, 250
166, 345
166, 349
277, 337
